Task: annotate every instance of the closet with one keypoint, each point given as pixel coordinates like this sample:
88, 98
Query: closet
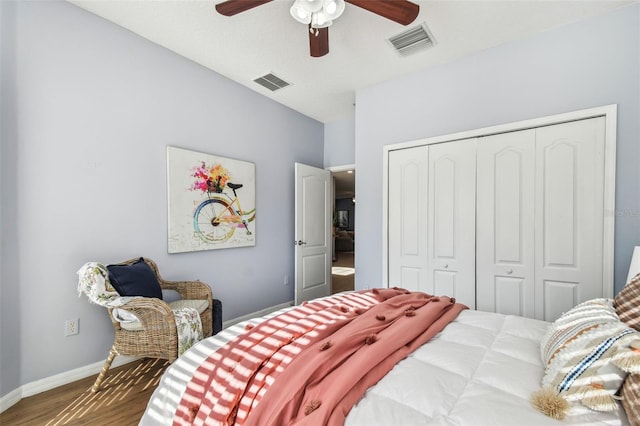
511, 222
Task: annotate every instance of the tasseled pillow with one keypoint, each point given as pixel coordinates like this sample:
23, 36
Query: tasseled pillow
587, 355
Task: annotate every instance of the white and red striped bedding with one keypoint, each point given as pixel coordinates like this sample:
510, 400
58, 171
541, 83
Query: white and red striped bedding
231, 382
481, 369
312, 363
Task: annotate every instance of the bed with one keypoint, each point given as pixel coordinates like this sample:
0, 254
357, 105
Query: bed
480, 369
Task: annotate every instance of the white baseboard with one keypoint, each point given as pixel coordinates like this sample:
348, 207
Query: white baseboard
260, 313
10, 399
57, 380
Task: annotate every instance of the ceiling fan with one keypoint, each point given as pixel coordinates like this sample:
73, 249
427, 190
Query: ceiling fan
319, 14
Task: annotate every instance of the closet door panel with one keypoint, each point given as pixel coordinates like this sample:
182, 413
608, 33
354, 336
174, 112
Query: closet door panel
410, 278
407, 219
451, 219
505, 233
569, 215
445, 284
559, 297
510, 297
560, 183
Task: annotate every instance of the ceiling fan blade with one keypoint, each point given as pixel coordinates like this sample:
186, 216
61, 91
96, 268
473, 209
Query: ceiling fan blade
318, 41
400, 11
233, 7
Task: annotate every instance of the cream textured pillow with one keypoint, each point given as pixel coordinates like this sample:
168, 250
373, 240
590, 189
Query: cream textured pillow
587, 357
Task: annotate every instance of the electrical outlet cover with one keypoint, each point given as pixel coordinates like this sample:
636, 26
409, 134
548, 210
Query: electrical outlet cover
71, 327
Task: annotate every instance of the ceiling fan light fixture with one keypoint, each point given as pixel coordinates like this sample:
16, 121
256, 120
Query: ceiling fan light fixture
333, 8
313, 5
300, 12
318, 13
320, 20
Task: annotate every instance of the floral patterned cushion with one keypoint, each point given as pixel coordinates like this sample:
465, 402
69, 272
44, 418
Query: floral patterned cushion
93, 281
133, 324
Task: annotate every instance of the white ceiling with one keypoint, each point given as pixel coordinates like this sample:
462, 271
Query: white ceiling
267, 39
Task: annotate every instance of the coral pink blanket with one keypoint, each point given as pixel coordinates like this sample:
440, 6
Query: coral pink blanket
310, 365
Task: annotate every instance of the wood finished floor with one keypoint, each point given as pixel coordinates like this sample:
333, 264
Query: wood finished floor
340, 282
124, 393
121, 400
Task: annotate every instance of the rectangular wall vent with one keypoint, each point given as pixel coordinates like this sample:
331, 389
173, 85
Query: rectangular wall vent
271, 82
412, 40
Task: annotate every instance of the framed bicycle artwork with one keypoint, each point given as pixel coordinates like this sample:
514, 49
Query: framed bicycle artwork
211, 201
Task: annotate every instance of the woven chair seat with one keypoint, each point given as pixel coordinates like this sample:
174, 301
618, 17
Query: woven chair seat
198, 305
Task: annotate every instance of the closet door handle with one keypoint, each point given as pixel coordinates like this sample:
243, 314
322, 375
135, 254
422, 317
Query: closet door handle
509, 271
446, 266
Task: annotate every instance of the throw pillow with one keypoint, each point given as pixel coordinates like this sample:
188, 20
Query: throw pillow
631, 398
587, 356
627, 303
137, 279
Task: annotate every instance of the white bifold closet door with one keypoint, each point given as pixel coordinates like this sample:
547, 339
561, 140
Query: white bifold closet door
407, 211
510, 223
540, 219
506, 225
569, 207
451, 220
431, 219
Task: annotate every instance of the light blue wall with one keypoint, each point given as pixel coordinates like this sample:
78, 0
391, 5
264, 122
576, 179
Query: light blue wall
339, 142
583, 65
84, 178
9, 292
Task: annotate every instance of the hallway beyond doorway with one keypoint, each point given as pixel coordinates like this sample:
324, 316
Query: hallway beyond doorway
343, 272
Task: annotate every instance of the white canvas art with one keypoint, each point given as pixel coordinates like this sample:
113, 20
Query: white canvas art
211, 201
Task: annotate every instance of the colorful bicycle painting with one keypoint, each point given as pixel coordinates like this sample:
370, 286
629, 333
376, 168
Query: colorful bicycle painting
218, 217
211, 201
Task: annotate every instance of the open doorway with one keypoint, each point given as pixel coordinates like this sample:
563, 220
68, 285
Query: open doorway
343, 265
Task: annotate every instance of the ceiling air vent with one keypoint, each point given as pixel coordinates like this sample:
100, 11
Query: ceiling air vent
271, 82
413, 40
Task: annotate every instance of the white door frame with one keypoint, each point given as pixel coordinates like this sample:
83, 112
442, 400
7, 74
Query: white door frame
609, 112
342, 168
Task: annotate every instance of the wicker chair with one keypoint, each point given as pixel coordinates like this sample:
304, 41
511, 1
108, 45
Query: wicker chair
156, 335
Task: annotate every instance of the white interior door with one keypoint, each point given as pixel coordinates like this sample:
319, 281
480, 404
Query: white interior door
505, 224
451, 224
312, 233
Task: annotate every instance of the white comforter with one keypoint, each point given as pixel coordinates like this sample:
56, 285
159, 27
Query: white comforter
480, 370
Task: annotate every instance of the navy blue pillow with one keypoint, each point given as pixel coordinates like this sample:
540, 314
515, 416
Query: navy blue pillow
137, 279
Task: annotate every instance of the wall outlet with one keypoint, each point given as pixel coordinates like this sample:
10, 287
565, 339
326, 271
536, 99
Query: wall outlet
72, 327
286, 280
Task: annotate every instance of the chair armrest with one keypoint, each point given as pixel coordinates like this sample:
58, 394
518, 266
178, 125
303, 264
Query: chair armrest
189, 290
151, 312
